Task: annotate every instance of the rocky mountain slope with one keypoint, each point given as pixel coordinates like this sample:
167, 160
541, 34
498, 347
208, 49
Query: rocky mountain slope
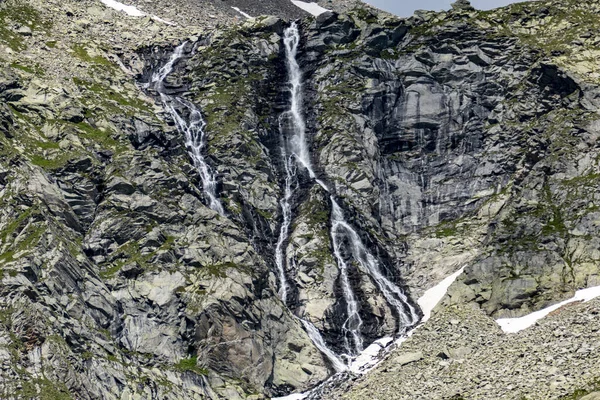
448, 140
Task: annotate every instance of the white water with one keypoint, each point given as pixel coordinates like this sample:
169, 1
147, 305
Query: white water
392, 293
286, 211
353, 321
319, 342
298, 144
514, 325
192, 128
370, 357
295, 150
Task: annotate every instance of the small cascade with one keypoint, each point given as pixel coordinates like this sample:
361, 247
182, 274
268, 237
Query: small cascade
319, 342
353, 321
286, 211
393, 294
192, 128
298, 144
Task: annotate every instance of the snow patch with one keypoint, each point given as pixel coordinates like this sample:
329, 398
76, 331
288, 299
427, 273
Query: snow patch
370, 356
514, 325
131, 10
241, 12
311, 8
293, 396
433, 296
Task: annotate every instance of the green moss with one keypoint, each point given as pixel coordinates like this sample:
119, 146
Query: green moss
191, 365
112, 101
34, 69
43, 389
27, 243
14, 225
19, 13
265, 214
592, 387
219, 270
50, 164
80, 52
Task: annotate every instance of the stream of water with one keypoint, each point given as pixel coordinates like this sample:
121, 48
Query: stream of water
296, 155
191, 127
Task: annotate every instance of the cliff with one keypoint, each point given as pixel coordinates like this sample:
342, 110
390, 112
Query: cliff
231, 208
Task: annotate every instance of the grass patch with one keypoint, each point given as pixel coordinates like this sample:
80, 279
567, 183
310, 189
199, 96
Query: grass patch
191, 365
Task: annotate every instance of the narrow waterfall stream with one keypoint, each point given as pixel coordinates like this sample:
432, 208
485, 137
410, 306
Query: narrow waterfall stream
295, 153
295, 150
192, 128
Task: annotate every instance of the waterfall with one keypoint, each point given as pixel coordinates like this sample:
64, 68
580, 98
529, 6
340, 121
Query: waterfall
353, 321
298, 144
192, 128
296, 152
394, 296
319, 342
286, 211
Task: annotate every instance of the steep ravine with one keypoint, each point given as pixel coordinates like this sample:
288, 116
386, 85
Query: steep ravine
141, 240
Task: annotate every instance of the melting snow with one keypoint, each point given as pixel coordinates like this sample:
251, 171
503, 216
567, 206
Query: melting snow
311, 8
241, 12
431, 297
513, 325
131, 10
370, 357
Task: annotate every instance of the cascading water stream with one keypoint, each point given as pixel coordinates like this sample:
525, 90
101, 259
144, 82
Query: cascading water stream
369, 264
296, 151
192, 128
286, 211
353, 321
298, 144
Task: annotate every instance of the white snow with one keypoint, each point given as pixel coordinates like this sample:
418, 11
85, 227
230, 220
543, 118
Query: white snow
311, 8
293, 396
431, 297
132, 11
241, 12
370, 357
513, 325
129, 10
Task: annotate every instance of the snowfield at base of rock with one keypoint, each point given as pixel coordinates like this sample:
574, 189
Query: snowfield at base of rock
129, 10
312, 8
514, 325
433, 296
241, 12
133, 11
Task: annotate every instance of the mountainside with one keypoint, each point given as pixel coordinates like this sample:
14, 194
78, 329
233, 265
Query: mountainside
202, 206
